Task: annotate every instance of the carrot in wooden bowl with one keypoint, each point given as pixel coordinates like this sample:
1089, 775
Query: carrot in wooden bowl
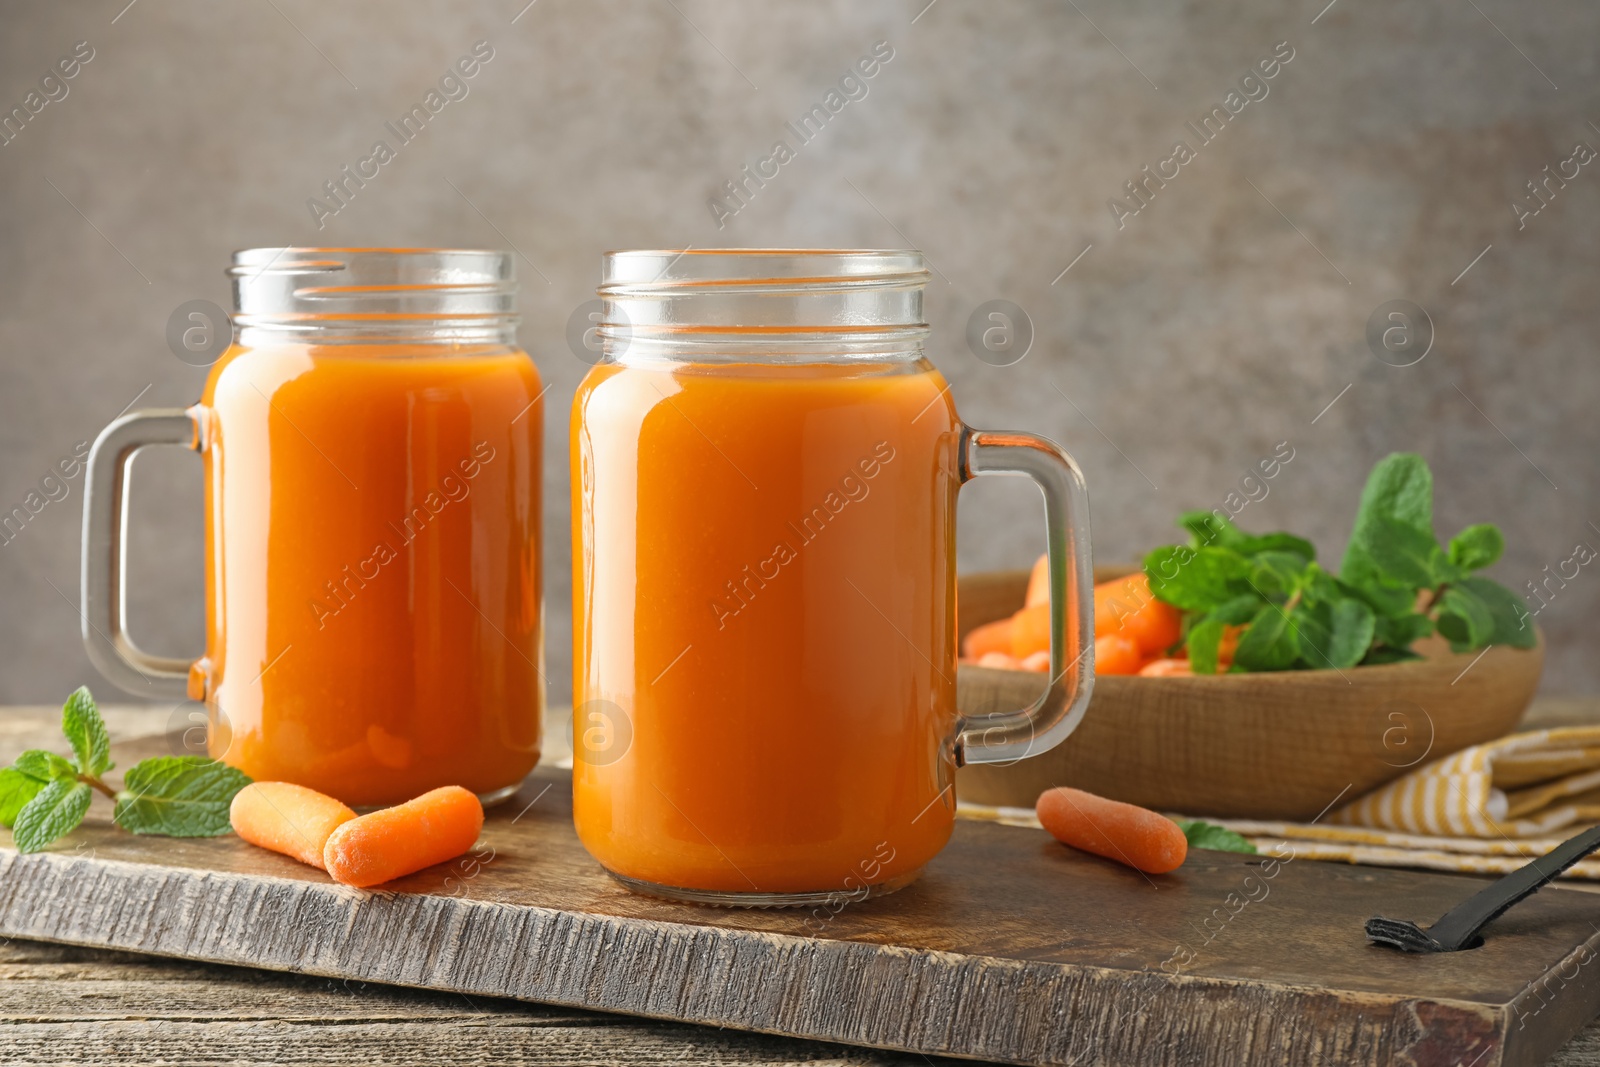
287, 818
1126, 833
1030, 631
1117, 654
1167, 668
1039, 583
388, 844
1126, 606
990, 637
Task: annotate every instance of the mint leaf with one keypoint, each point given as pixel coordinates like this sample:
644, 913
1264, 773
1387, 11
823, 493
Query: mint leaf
1202, 644
1195, 579
45, 766
1209, 528
1400, 631
1236, 611
1388, 599
178, 796
1477, 546
1465, 619
1407, 555
16, 789
1313, 626
1512, 624
1399, 491
1270, 644
86, 732
1382, 655
52, 814
1353, 626
1277, 542
1317, 586
1202, 834
1274, 573
1400, 486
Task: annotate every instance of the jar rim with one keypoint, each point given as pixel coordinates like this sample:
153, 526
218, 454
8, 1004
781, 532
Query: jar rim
641, 272
768, 304
374, 295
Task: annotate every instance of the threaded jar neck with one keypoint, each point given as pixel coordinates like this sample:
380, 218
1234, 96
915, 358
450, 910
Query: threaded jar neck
763, 305
374, 296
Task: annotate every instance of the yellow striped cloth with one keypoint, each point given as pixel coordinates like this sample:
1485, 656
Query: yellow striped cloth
1525, 785
1487, 809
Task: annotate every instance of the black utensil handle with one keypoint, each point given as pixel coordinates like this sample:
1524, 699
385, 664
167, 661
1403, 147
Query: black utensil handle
1461, 924
1460, 927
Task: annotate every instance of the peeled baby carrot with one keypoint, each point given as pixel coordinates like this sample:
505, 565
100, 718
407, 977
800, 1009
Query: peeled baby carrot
1039, 661
1126, 833
1228, 646
1039, 583
1030, 631
287, 818
1126, 606
1000, 660
385, 845
1117, 654
990, 637
1167, 668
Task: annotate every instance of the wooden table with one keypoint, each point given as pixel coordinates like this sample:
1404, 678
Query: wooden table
84, 1006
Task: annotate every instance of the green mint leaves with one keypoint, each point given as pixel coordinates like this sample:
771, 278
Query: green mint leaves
44, 797
1396, 585
178, 796
1202, 834
86, 733
54, 813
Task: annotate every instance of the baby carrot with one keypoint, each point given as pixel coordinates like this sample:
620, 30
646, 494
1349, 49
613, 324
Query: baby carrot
385, 845
1039, 583
1039, 661
1228, 646
1030, 631
999, 660
1117, 654
1167, 668
287, 818
1126, 606
990, 637
1126, 833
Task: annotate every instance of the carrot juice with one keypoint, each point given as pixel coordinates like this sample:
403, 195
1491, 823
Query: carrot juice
372, 561
764, 602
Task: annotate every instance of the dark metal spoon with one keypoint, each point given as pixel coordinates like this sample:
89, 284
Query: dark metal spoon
1461, 926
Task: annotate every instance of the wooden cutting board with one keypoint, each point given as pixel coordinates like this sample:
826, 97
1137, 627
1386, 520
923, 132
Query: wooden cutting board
1010, 947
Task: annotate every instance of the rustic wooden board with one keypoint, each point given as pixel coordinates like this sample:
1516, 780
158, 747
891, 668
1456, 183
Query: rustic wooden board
1010, 948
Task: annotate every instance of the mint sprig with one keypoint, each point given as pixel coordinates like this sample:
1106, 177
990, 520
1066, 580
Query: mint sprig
44, 797
1396, 585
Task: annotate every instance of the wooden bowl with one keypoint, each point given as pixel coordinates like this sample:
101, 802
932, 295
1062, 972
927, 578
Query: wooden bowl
1280, 745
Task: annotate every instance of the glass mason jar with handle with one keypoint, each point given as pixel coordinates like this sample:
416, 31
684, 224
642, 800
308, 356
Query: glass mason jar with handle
764, 476
372, 449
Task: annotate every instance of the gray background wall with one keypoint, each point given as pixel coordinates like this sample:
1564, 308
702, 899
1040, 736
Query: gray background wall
1175, 353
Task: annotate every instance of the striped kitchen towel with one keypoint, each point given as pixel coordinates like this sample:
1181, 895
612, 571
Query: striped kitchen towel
1487, 809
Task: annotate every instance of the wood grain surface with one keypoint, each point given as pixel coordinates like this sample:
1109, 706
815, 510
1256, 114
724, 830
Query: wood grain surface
1010, 948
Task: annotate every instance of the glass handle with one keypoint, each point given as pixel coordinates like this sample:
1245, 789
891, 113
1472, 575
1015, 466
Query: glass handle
105, 542
1007, 736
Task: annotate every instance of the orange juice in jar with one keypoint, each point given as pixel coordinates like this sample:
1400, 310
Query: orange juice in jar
372, 445
765, 471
